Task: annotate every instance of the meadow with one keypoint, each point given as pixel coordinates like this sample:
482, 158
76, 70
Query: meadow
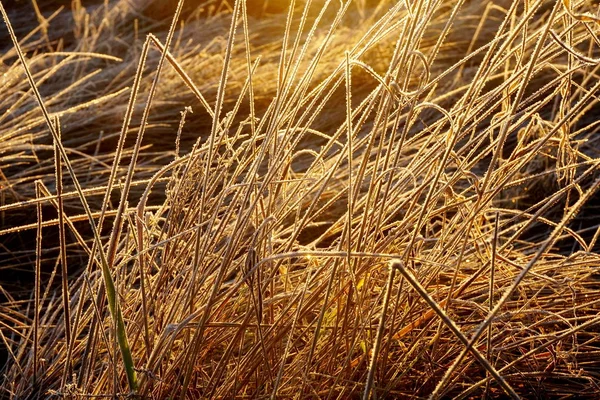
299, 199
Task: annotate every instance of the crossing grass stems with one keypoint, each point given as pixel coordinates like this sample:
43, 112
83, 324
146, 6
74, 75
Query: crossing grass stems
323, 199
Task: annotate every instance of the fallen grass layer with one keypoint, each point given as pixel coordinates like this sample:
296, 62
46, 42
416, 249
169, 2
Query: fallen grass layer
250, 244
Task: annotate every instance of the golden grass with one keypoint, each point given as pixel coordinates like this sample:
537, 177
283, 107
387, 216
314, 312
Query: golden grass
311, 199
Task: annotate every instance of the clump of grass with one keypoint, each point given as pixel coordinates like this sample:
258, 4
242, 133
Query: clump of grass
346, 211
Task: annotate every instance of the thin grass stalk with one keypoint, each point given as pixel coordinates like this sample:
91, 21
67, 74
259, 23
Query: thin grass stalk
451, 139
142, 250
348, 73
255, 283
38, 283
518, 97
380, 332
525, 159
288, 344
216, 119
328, 291
129, 177
452, 326
63, 248
98, 314
509, 291
544, 346
491, 292
115, 234
109, 284
196, 341
249, 68
181, 73
501, 139
221, 367
78, 316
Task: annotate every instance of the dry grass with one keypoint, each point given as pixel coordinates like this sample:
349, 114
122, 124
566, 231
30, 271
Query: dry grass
343, 200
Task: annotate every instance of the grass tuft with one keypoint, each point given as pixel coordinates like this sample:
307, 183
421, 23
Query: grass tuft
299, 199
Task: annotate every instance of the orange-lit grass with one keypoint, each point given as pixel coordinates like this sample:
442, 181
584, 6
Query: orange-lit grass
250, 242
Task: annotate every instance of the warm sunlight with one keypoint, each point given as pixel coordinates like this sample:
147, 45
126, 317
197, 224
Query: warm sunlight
284, 199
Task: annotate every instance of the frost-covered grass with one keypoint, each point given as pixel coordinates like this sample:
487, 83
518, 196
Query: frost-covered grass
320, 199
